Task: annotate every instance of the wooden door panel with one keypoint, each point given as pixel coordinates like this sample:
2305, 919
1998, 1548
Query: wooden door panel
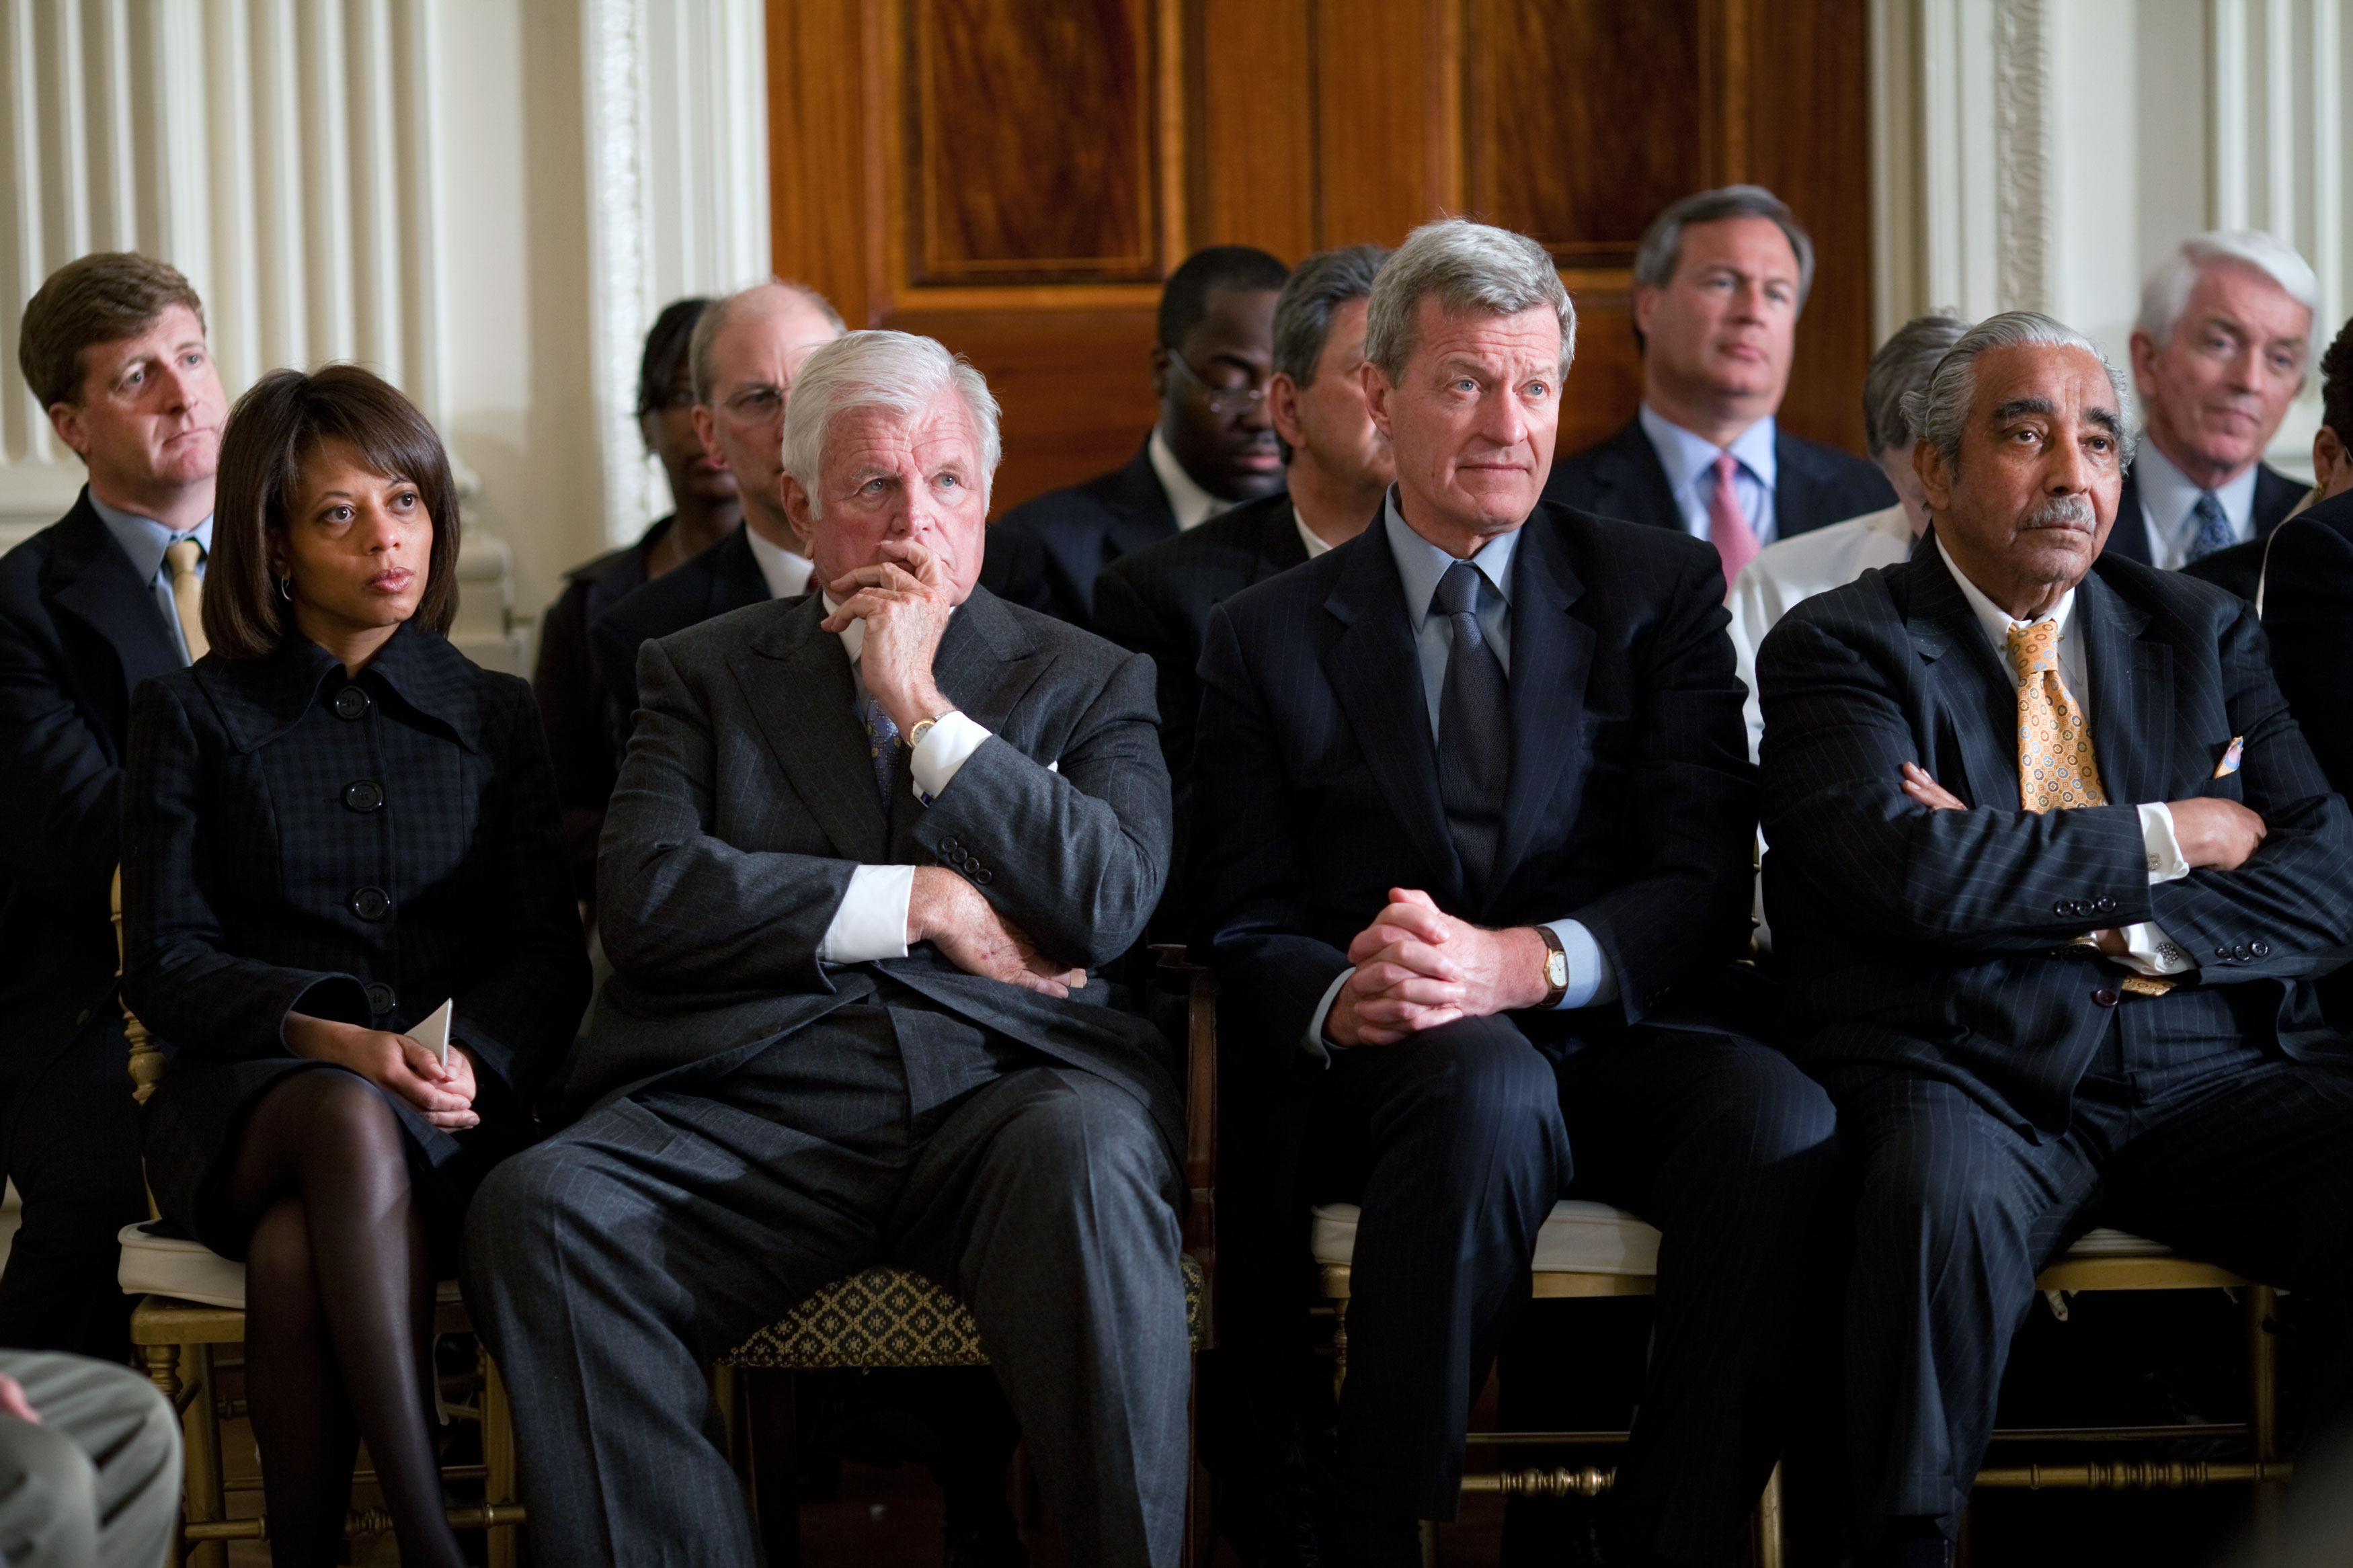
1016, 178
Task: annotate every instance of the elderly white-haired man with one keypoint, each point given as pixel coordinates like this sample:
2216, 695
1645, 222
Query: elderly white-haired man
2053, 871
1474, 816
865, 844
2221, 349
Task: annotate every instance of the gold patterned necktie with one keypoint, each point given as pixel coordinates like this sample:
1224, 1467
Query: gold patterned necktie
188, 594
2056, 770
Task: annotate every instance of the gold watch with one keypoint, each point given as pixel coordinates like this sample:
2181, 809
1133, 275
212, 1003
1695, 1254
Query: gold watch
923, 728
1556, 967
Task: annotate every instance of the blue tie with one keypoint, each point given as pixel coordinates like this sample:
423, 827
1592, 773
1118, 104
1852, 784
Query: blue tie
882, 746
2213, 528
1474, 730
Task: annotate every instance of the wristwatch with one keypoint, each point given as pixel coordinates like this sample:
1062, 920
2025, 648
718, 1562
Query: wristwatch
923, 728
1556, 966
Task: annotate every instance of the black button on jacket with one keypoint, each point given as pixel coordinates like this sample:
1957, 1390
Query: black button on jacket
252, 888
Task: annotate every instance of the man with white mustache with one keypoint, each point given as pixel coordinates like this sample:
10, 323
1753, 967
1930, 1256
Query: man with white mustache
2054, 871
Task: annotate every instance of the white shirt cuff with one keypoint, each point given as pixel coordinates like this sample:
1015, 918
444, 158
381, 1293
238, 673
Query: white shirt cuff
947, 746
2165, 861
1313, 1042
2150, 951
1590, 980
872, 920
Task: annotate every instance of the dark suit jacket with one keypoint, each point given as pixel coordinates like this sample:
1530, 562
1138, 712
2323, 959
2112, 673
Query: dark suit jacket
575, 702
78, 632
2308, 616
2239, 568
261, 877
1813, 485
748, 798
1044, 554
1631, 803
1935, 939
722, 578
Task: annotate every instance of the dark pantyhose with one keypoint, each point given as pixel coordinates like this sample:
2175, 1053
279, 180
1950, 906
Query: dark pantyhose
338, 1312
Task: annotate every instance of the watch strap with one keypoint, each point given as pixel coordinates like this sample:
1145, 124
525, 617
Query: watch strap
1556, 966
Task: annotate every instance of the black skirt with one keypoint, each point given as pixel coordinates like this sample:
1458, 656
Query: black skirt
193, 1126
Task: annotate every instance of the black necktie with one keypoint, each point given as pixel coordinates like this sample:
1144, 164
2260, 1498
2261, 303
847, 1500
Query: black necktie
1474, 730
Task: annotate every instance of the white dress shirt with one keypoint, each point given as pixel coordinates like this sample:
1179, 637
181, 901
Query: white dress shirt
1420, 565
1193, 505
872, 920
2168, 497
1308, 536
1799, 568
2147, 947
144, 540
786, 573
1690, 461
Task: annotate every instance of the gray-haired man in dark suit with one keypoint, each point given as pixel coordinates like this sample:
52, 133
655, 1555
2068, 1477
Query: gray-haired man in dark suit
864, 843
2052, 870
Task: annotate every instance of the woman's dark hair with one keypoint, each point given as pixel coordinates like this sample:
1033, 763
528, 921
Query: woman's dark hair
2336, 386
272, 433
659, 368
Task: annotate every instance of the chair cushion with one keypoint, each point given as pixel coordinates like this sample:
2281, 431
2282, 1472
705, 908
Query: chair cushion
171, 1265
2106, 1243
886, 1316
1576, 1237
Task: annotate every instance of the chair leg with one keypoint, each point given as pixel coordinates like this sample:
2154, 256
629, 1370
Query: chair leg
200, 1429
1339, 1345
1769, 1522
2262, 1401
772, 1433
497, 1460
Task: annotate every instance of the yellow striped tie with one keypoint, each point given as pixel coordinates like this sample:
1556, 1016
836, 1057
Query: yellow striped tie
2056, 769
188, 594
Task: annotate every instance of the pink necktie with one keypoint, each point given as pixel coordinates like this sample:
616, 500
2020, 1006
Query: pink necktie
1728, 525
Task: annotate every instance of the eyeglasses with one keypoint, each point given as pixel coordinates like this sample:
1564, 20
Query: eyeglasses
1222, 399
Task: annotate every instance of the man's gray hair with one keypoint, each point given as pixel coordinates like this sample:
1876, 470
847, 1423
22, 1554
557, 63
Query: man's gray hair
1469, 266
1662, 249
1939, 412
1319, 285
894, 371
2166, 294
1902, 366
714, 318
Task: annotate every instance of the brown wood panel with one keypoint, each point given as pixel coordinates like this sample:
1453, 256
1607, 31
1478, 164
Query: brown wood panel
1249, 89
1031, 142
1017, 179
1584, 116
1074, 387
1809, 131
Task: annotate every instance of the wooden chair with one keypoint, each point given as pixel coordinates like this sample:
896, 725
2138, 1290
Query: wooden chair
888, 1318
192, 1303
1587, 1249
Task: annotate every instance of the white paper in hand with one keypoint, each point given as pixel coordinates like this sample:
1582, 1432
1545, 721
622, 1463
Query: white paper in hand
433, 1033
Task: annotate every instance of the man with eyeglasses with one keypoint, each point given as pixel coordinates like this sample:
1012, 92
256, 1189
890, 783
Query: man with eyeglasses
1213, 449
745, 352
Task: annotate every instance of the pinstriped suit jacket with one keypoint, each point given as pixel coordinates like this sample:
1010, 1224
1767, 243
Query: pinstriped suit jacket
1937, 939
1630, 804
748, 797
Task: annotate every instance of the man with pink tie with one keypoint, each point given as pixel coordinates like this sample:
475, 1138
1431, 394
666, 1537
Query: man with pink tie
1719, 281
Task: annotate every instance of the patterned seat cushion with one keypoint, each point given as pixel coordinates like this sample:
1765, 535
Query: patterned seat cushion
893, 1317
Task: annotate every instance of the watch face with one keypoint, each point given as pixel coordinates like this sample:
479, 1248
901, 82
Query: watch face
1555, 969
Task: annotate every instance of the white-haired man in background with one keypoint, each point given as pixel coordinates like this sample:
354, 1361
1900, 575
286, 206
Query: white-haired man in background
865, 844
2219, 352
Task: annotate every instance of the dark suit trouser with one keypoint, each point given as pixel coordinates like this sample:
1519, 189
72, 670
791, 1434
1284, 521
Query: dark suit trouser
1722, 1143
2181, 1132
612, 1264
75, 1160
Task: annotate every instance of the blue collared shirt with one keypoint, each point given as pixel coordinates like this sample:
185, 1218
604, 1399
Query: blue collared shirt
1690, 462
2168, 504
1420, 566
144, 540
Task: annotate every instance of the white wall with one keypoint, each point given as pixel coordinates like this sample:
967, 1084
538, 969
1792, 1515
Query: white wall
2046, 153
425, 185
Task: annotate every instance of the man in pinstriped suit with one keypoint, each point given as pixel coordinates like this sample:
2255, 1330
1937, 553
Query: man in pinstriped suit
2052, 870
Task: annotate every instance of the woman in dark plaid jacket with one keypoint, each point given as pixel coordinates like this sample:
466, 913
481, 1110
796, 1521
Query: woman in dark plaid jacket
334, 823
